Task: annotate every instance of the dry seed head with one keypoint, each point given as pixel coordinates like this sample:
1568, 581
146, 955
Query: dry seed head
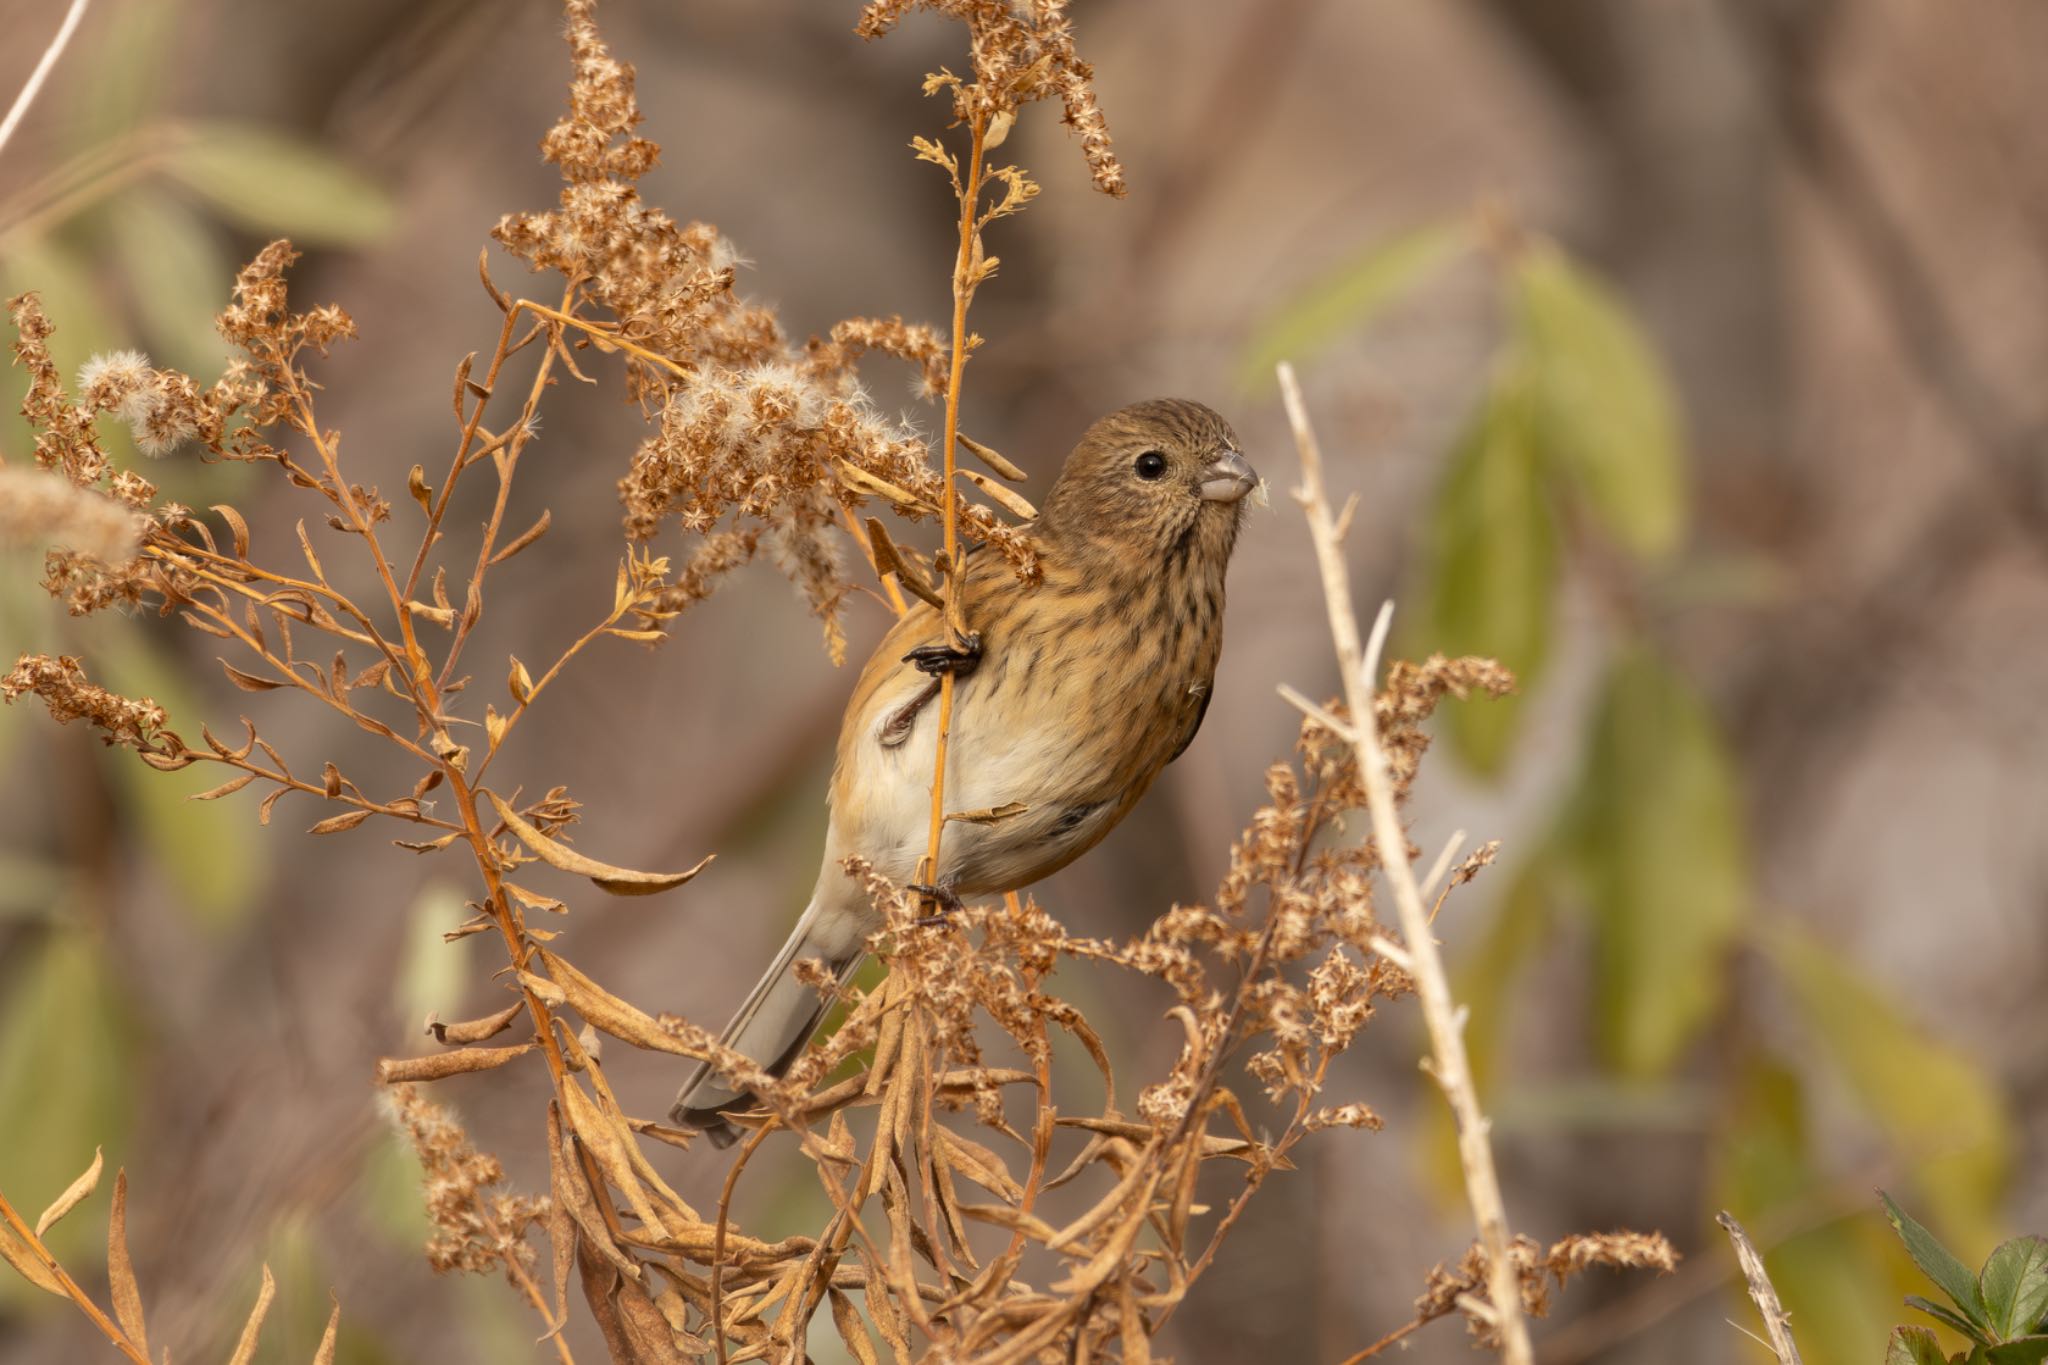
38, 509
473, 1229
61, 682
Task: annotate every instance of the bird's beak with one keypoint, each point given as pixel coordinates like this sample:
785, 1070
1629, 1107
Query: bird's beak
1228, 478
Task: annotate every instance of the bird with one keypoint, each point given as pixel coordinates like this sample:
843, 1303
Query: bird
1071, 693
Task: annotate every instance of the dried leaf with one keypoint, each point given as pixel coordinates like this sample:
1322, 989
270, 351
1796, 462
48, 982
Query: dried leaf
440, 616
1014, 503
889, 559
605, 1011
18, 1254
227, 788
436, 1065
533, 900
653, 1338
547, 991
476, 1030
245, 1350
617, 880
847, 1320
562, 1243
325, 1355
238, 527
978, 1163
854, 477
121, 1272
519, 682
334, 824
572, 1191
989, 815
661, 1132
77, 1190
330, 779
990, 458
249, 682
607, 1141
263, 811
523, 539
373, 676
422, 493
476, 924
312, 560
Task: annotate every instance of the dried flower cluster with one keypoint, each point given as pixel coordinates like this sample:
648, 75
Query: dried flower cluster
1021, 52
474, 1229
936, 1151
1461, 1288
39, 508
778, 438
62, 685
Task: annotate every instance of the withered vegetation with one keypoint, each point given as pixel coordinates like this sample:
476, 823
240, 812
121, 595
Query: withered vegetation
935, 1155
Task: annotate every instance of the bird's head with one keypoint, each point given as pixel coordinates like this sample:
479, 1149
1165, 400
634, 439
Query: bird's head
1152, 482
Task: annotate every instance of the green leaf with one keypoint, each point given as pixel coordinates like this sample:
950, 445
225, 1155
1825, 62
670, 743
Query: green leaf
30, 886
1947, 1316
1348, 299
1491, 572
66, 1068
270, 182
181, 276
2019, 1351
1938, 1263
1656, 831
210, 849
1940, 1110
2013, 1286
116, 91
1606, 417
1914, 1346
433, 974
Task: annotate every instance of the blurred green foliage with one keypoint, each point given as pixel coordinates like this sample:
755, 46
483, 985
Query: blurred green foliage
1572, 468
131, 238
68, 1060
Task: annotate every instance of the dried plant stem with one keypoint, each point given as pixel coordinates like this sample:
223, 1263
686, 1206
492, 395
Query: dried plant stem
78, 1296
1777, 1322
883, 576
956, 622
1445, 1020
1398, 1335
44, 65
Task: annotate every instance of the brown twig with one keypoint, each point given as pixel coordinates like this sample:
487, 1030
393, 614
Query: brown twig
955, 614
1445, 1020
1777, 1322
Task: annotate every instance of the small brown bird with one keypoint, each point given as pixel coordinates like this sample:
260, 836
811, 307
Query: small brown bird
1083, 687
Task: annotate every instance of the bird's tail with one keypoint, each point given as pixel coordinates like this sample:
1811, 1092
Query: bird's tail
776, 1021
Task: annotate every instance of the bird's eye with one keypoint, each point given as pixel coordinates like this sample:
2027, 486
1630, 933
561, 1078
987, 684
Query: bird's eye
1150, 465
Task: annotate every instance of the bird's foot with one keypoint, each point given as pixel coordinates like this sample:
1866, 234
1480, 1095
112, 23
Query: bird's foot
942, 898
959, 660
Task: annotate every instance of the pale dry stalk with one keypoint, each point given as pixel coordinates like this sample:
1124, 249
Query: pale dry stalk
1445, 1020
44, 65
1777, 1322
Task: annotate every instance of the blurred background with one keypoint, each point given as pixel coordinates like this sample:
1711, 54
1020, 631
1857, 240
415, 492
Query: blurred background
1686, 355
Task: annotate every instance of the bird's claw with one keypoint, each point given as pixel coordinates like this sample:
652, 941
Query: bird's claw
939, 659
948, 903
